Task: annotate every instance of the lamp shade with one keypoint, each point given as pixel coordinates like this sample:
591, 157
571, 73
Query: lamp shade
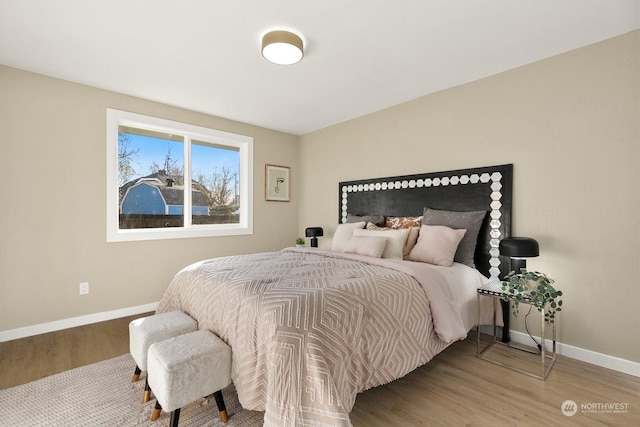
519, 247
314, 232
282, 47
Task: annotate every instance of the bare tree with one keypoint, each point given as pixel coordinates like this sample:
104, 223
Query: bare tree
170, 166
125, 159
219, 189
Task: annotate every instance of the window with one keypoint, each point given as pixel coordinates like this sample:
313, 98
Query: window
170, 180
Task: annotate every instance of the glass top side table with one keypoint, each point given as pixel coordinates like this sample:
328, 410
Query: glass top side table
493, 289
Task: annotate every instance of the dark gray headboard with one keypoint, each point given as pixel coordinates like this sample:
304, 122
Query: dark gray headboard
485, 188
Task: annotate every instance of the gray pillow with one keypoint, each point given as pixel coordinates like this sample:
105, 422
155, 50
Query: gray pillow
376, 219
470, 221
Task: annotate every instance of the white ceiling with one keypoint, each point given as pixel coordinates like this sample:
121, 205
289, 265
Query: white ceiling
360, 55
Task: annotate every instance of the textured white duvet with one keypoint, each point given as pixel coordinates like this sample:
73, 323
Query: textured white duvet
309, 329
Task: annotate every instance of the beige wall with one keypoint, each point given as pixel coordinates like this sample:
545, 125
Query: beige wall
571, 127
569, 124
53, 204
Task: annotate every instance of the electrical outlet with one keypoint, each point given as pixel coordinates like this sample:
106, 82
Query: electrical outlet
84, 288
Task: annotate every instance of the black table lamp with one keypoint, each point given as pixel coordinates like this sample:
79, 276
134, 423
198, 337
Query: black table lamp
519, 249
314, 233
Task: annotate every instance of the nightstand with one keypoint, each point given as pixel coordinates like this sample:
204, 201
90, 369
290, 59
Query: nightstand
493, 289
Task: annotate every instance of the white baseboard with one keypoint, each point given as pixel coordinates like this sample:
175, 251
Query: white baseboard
595, 358
58, 325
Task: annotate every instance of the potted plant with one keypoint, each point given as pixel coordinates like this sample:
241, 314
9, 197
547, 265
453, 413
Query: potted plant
534, 288
300, 241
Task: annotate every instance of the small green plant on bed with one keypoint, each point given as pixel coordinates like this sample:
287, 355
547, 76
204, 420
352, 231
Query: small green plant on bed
535, 288
300, 241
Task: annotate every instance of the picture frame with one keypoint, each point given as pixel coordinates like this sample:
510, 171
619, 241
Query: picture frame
277, 183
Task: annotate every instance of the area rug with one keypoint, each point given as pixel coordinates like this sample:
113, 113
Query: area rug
102, 394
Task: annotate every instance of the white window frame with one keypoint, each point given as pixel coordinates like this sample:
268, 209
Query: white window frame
116, 118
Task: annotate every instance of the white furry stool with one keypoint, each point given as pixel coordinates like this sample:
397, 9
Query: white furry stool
148, 330
183, 369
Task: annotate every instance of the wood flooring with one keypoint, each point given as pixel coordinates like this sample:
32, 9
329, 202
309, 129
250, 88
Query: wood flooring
32, 358
454, 389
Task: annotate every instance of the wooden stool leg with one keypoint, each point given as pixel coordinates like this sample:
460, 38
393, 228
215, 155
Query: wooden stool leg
147, 391
175, 417
136, 375
224, 417
156, 411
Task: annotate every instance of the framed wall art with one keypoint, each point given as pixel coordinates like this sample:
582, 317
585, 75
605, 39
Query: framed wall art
277, 183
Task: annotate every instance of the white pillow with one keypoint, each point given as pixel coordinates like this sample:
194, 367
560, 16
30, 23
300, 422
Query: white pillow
343, 234
367, 246
412, 237
395, 240
437, 244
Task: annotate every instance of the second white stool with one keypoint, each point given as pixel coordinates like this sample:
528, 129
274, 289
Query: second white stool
183, 369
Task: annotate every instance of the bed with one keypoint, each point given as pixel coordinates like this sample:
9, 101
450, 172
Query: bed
310, 328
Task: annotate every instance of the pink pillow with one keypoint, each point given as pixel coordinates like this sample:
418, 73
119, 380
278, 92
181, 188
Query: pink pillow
437, 244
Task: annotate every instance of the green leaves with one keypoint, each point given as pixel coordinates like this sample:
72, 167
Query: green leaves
534, 288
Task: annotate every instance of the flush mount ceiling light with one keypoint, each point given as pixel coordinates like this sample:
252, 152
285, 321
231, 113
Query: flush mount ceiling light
282, 47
